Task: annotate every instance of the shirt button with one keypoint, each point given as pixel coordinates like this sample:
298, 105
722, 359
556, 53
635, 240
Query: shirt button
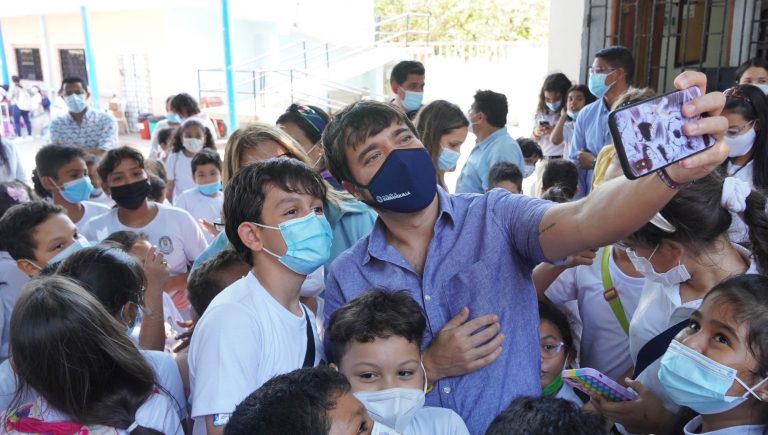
447, 390
427, 298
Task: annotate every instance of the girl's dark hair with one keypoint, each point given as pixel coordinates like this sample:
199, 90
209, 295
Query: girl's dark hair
48, 160
750, 102
311, 122
107, 272
12, 193
549, 312
756, 62
584, 89
557, 82
184, 103
165, 134
700, 220
178, 137
434, 120
747, 297
69, 350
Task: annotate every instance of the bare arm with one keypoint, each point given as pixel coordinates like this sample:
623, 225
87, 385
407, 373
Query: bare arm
152, 334
620, 206
210, 429
557, 133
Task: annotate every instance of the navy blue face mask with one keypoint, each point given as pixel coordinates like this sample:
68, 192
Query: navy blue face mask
405, 183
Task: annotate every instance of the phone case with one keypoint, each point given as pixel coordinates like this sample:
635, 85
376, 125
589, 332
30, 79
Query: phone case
593, 383
649, 135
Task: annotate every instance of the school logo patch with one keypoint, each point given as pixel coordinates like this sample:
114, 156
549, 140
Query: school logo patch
165, 245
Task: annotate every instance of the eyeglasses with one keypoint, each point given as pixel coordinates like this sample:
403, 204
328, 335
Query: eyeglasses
599, 70
736, 130
549, 350
218, 224
310, 115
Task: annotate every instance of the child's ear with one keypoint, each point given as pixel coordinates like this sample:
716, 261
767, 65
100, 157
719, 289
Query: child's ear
27, 267
47, 183
250, 235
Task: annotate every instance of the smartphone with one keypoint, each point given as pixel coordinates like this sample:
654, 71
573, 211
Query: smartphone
649, 135
544, 123
595, 384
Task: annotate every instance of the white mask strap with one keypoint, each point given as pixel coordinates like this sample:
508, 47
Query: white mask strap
751, 390
426, 379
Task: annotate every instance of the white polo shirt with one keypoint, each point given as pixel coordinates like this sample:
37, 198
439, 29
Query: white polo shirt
433, 420
201, 206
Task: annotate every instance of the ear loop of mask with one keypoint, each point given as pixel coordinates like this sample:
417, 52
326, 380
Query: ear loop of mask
426, 379
32, 263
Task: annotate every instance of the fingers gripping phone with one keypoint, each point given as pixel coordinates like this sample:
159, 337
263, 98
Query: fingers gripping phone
649, 135
595, 384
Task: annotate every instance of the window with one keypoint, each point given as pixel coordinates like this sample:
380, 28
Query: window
73, 63
28, 64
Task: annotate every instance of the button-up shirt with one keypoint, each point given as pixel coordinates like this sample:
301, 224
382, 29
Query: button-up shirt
481, 257
497, 147
98, 130
591, 134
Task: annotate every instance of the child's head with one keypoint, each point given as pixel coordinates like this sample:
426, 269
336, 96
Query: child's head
562, 173
156, 167
305, 401
206, 170
553, 93
578, 97
124, 178
531, 153
728, 333
305, 124
557, 350
212, 277
745, 109
506, 176
157, 192
546, 416
61, 172
136, 244
92, 162
192, 136
37, 234
376, 341
266, 194
165, 138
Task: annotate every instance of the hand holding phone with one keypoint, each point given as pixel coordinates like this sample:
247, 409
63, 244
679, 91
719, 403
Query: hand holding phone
595, 384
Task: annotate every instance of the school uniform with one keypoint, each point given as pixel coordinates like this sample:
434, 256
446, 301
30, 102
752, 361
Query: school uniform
201, 206
694, 428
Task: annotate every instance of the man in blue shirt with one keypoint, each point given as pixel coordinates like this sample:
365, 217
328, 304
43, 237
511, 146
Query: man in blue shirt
471, 256
487, 120
609, 77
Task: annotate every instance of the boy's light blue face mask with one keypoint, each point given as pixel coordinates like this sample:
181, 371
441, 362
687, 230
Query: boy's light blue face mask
412, 100
209, 189
308, 240
76, 190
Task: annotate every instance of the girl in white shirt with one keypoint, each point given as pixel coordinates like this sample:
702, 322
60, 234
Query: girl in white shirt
746, 109
557, 352
718, 365
562, 134
77, 357
189, 139
552, 99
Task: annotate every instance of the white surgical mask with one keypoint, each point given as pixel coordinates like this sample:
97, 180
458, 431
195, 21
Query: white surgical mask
380, 429
192, 144
554, 107
528, 170
394, 407
672, 277
763, 87
741, 144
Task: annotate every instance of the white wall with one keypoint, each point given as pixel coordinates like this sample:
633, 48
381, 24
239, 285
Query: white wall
566, 23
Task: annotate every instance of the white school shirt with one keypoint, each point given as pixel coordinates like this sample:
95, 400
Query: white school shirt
659, 309
11, 282
244, 338
434, 420
201, 206
173, 231
738, 232
547, 147
604, 344
694, 427
90, 211
166, 374
103, 198
179, 168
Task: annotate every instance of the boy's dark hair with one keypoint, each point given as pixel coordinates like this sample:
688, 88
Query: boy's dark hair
352, 126
113, 158
557, 194
549, 312
156, 167
73, 80
546, 416
562, 173
493, 105
619, 57
505, 171
529, 148
184, 103
205, 283
48, 160
156, 188
178, 138
206, 156
295, 403
165, 134
19, 224
311, 124
245, 193
125, 239
13, 193
403, 69
375, 314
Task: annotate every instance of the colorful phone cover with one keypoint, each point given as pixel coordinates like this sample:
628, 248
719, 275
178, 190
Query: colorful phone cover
593, 383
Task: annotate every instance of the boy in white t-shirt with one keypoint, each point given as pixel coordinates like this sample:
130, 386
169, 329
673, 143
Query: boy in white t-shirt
375, 341
204, 202
257, 328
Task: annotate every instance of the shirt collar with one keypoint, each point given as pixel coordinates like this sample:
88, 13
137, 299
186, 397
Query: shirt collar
88, 114
492, 137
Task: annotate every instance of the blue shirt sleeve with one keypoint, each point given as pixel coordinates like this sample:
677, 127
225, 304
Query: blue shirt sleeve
519, 216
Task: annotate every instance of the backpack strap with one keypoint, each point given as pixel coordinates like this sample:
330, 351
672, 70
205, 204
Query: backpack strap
656, 347
610, 293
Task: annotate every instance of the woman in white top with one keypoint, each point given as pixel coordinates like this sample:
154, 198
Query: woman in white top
77, 357
552, 99
188, 140
684, 252
718, 365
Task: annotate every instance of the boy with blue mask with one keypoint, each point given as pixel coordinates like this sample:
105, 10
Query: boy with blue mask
376, 343
37, 234
205, 201
61, 174
257, 328
407, 82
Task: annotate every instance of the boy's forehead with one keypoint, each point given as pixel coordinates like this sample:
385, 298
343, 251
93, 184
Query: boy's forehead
127, 164
54, 225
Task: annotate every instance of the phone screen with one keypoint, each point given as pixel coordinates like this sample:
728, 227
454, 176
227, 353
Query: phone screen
649, 135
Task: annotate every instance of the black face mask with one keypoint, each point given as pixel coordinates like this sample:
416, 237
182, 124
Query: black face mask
131, 196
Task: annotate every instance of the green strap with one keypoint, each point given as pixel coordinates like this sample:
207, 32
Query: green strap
610, 294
